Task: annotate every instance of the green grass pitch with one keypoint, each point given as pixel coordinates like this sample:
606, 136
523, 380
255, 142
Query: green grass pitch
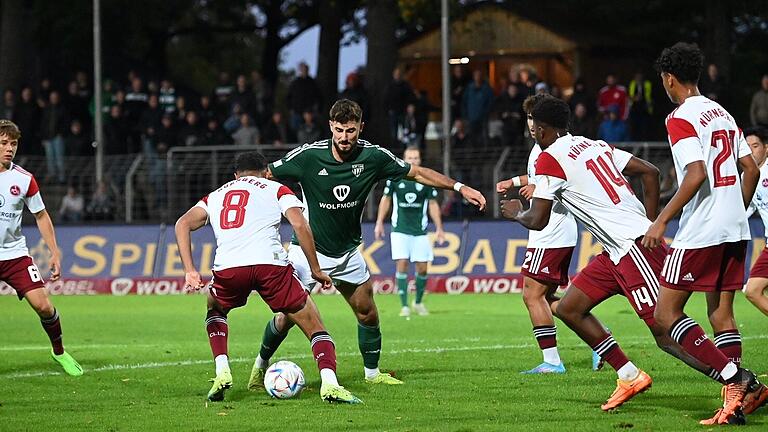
147, 363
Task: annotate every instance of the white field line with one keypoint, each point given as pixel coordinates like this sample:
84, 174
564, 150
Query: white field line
626, 342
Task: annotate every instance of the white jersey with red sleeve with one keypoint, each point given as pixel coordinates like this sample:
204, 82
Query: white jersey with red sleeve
245, 215
561, 231
702, 130
760, 199
585, 176
17, 189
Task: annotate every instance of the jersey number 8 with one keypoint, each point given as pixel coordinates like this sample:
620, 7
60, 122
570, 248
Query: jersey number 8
233, 212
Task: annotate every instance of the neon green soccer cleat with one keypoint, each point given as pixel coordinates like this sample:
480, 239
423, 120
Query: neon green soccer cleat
222, 382
256, 382
70, 365
338, 394
383, 378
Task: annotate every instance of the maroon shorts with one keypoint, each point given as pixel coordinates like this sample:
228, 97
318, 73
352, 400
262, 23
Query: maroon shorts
709, 269
548, 265
278, 286
760, 267
21, 274
635, 277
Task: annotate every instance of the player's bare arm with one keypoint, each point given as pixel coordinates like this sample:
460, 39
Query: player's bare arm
649, 175
192, 220
749, 178
535, 218
433, 178
695, 176
384, 205
307, 242
45, 225
504, 186
437, 219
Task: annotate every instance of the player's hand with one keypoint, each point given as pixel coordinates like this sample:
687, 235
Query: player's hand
440, 236
192, 280
504, 186
55, 265
655, 235
473, 196
323, 278
527, 191
511, 208
378, 231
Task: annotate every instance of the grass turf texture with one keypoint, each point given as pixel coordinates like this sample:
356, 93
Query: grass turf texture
147, 363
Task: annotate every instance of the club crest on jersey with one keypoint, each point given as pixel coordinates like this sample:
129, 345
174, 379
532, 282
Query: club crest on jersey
341, 192
765, 182
15, 190
357, 169
2, 201
410, 197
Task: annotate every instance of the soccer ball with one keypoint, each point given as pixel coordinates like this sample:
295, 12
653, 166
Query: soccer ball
284, 379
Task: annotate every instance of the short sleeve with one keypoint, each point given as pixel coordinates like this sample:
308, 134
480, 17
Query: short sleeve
290, 166
32, 199
203, 203
742, 146
286, 199
548, 186
389, 188
390, 166
685, 142
432, 194
621, 158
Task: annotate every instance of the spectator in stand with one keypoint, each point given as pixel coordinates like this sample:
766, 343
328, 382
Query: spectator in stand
101, 207
262, 97
222, 93
27, 118
214, 134
478, 98
72, 206
527, 83
165, 136
613, 129
309, 131
541, 88
116, 132
9, 104
76, 142
152, 114
135, 103
190, 133
459, 82
613, 94
167, 96
107, 100
758, 110
77, 106
423, 108
54, 123
509, 109
396, 98
119, 100
181, 109
355, 91
83, 86
247, 133
713, 86
243, 96
556, 92
641, 106
459, 137
581, 123
580, 96
205, 110
276, 131
232, 123
408, 131
43, 92
303, 95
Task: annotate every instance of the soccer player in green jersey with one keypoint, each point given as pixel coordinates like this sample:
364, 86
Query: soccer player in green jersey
409, 239
336, 175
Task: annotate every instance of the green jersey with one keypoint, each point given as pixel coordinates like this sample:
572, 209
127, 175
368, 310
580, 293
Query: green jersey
335, 192
410, 201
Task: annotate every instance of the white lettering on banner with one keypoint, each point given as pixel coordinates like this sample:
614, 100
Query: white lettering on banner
456, 284
71, 287
159, 287
121, 286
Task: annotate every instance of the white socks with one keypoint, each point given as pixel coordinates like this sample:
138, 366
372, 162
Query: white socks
371, 373
729, 371
328, 376
222, 363
628, 372
261, 363
551, 356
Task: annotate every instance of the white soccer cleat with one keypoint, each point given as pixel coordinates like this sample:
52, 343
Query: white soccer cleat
405, 312
420, 309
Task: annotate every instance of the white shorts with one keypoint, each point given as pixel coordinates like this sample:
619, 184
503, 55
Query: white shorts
350, 268
415, 248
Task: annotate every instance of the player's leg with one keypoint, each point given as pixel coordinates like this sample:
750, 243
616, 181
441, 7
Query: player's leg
218, 332
49, 318
720, 314
756, 293
275, 333
537, 296
401, 278
421, 286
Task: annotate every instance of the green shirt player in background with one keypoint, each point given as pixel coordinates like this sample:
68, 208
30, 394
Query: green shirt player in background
336, 175
409, 240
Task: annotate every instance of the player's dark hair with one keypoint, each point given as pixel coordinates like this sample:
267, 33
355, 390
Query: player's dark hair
760, 132
345, 111
250, 161
532, 100
552, 111
683, 60
9, 129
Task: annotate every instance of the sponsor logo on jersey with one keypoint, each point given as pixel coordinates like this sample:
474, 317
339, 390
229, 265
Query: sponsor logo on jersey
545, 270
322, 172
357, 169
15, 190
2, 200
410, 197
688, 277
341, 192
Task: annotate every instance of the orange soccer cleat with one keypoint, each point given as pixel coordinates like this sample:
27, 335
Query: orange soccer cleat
733, 396
626, 390
755, 398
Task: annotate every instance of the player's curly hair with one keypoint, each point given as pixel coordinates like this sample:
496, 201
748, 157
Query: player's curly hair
683, 60
760, 132
9, 129
250, 161
552, 111
345, 111
532, 100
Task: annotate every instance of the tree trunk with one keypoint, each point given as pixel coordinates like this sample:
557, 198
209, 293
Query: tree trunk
382, 58
328, 54
270, 57
12, 44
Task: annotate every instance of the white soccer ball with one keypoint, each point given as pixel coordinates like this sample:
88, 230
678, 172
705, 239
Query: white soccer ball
284, 379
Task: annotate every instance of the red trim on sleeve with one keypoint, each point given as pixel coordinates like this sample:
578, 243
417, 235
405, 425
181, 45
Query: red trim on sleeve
548, 165
284, 190
33, 188
204, 199
679, 129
